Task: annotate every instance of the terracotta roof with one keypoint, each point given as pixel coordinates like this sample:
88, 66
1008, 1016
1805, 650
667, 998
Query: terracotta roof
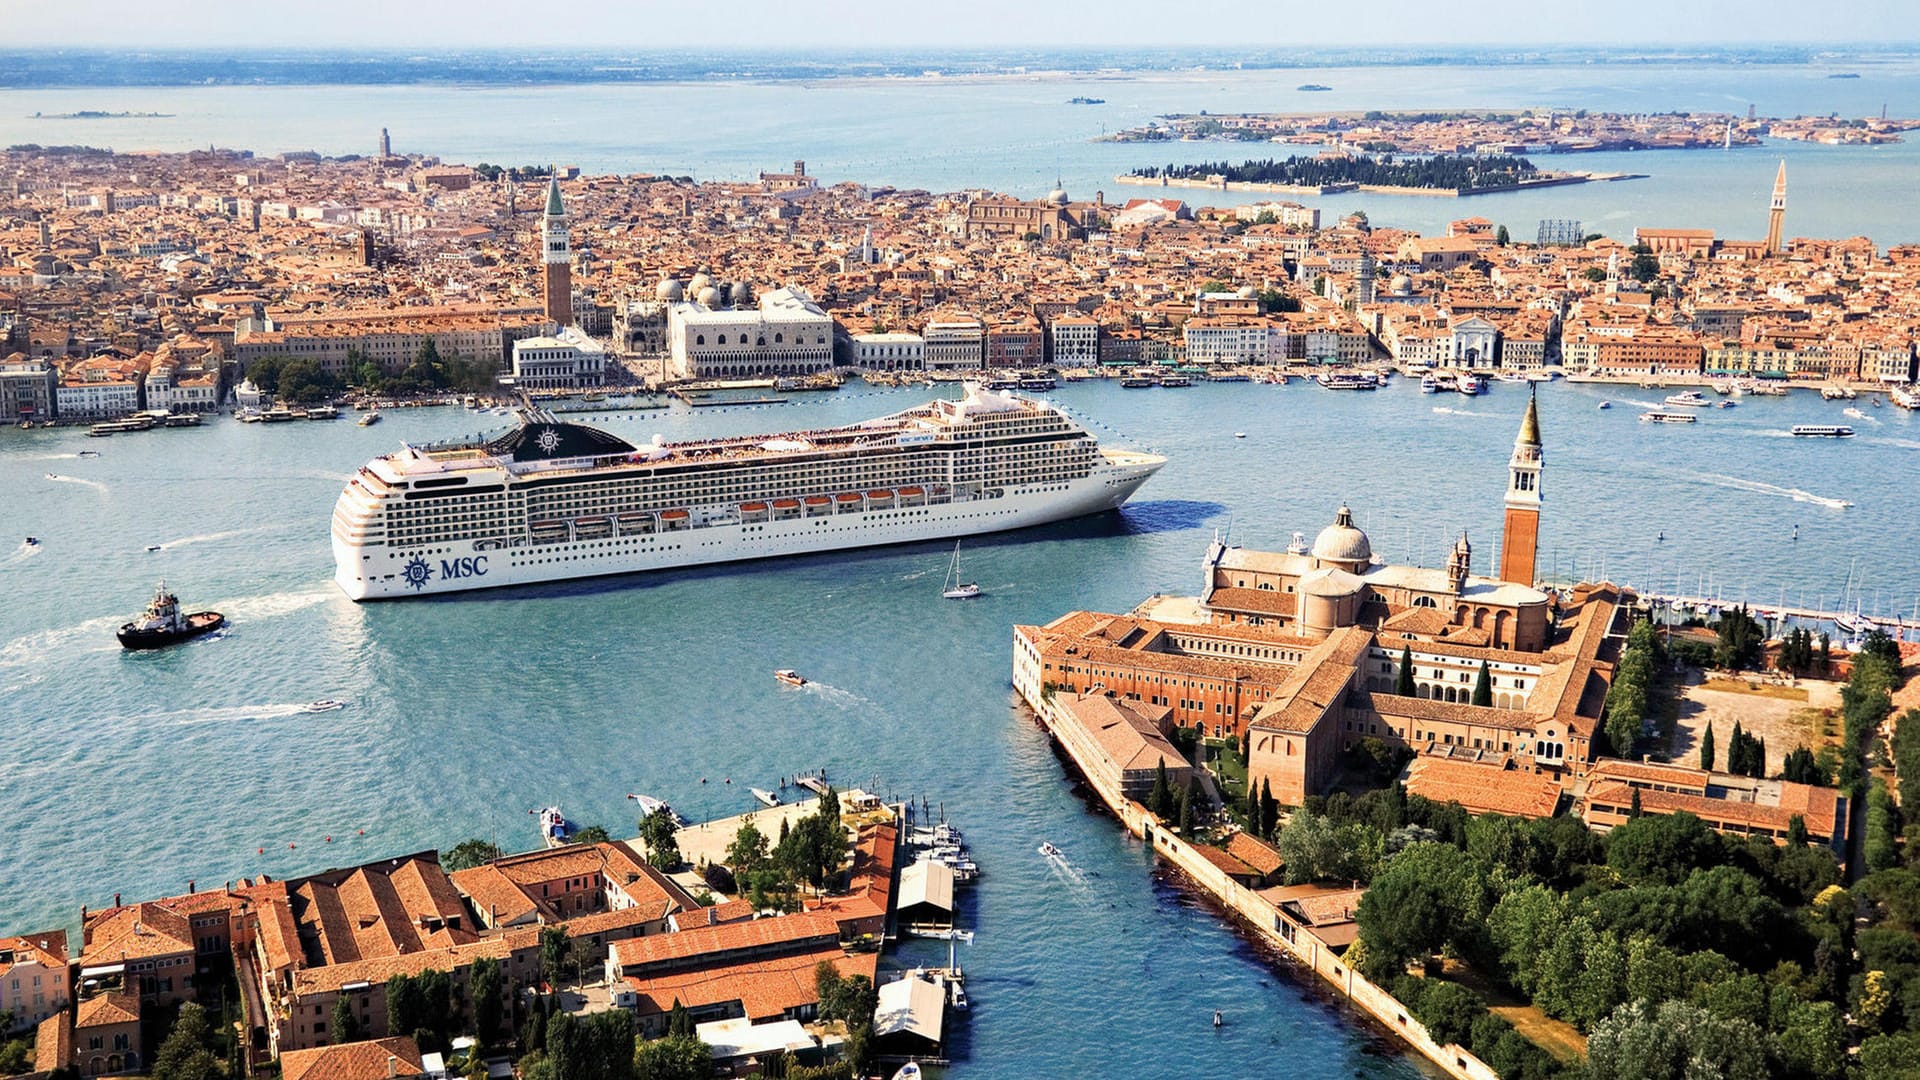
765, 989
375, 1059
1483, 788
1255, 852
1317, 683
53, 1043
135, 932
758, 934
109, 1008
1223, 861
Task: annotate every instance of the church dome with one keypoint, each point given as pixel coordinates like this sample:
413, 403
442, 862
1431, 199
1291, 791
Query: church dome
740, 294
708, 297
668, 289
1342, 541
700, 281
1400, 285
1058, 196
1331, 582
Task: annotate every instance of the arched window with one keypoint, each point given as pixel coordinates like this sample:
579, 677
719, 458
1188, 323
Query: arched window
1425, 601
779, 339
699, 339
721, 339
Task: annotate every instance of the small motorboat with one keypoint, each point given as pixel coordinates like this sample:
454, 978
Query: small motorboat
1606, 404
765, 796
1051, 852
53, 476
96, 453
1219, 1018
790, 677
370, 419
153, 547
323, 705
909, 1071
33, 541
555, 829
1239, 434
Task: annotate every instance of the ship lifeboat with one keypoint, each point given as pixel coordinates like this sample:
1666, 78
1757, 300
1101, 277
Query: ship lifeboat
880, 495
549, 531
819, 504
847, 502
673, 519
591, 527
753, 508
635, 523
912, 496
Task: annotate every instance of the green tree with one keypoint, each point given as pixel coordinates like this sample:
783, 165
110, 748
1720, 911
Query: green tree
553, 954
345, 1027
488, 985
748, 851
1403, 682
1483, 686
1738, 640
1661, 848
1502, 237
591, 834
1186, 812
1594, 274
184, 1055
1890, 1057
264, 373
1428, 897
1706, 749
1676, 1041
660, 833
1160, 796
1269, 809
676, 1057
469, 853
679, 1020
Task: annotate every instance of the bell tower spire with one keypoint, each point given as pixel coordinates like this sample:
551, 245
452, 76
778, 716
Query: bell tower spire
1520, 542
556, 257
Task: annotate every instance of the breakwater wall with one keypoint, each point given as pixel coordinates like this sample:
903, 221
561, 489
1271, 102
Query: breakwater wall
1251, 909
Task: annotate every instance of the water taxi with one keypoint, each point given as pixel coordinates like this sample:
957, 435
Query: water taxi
1690, 399
1658, 417
323, 705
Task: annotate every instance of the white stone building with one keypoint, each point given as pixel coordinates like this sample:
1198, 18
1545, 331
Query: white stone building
1074, 340
955, 344
893, 351
97, 400
787, 334
568, 360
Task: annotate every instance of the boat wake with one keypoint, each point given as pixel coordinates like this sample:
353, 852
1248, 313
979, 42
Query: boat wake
94, 484
837, 695
50, 457
206, 538
272, 604
1443, 410
94, 635
1904, 444
224, 714
1761, 488
21, 554
1858, 415
1074, 880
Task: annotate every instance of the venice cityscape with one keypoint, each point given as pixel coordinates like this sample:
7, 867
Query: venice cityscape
794, 552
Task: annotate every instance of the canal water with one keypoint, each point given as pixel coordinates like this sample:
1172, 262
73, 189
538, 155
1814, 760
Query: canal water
136, 773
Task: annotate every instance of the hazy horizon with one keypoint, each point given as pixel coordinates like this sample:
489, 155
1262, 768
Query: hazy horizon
770, 24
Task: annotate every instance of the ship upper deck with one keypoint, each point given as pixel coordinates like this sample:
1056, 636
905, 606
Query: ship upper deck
982, 413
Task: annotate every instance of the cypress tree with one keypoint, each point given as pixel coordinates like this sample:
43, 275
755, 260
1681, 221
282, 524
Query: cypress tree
1633, 811
1186, 813
1269, 810
1157, 798
1737, 751
1483, 686
1404, 684
1706, 749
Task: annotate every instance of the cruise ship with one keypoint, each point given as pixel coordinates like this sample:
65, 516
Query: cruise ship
550, 501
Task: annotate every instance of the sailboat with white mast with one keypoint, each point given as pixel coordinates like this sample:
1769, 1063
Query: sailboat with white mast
953, 588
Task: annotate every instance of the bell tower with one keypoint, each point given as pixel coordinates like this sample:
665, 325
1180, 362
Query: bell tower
557, 257
1520, 542
1777, 210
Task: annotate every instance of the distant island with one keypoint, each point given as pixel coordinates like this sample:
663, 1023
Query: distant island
1086, 101
1456, 173
1844, 75
1313, 87
95, 114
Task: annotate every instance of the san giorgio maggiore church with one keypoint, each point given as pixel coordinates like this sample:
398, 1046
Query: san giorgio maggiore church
1301, 650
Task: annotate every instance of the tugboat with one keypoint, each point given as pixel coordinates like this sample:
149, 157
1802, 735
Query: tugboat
162, 624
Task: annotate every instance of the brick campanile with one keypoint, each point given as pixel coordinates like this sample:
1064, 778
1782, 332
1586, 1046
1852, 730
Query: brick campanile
1520, 541
556, 258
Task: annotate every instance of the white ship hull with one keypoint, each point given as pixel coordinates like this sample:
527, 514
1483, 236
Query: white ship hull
378, 573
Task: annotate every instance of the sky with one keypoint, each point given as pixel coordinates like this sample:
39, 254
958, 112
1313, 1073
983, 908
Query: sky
735, 24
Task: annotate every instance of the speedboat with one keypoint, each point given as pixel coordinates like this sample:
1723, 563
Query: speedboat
1689, 399
1239, 434
96, 453
765, 796
909, 1071
33, 541
323, 705
790, 677
153, 547
370, 419
1051, 852
1606, 404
